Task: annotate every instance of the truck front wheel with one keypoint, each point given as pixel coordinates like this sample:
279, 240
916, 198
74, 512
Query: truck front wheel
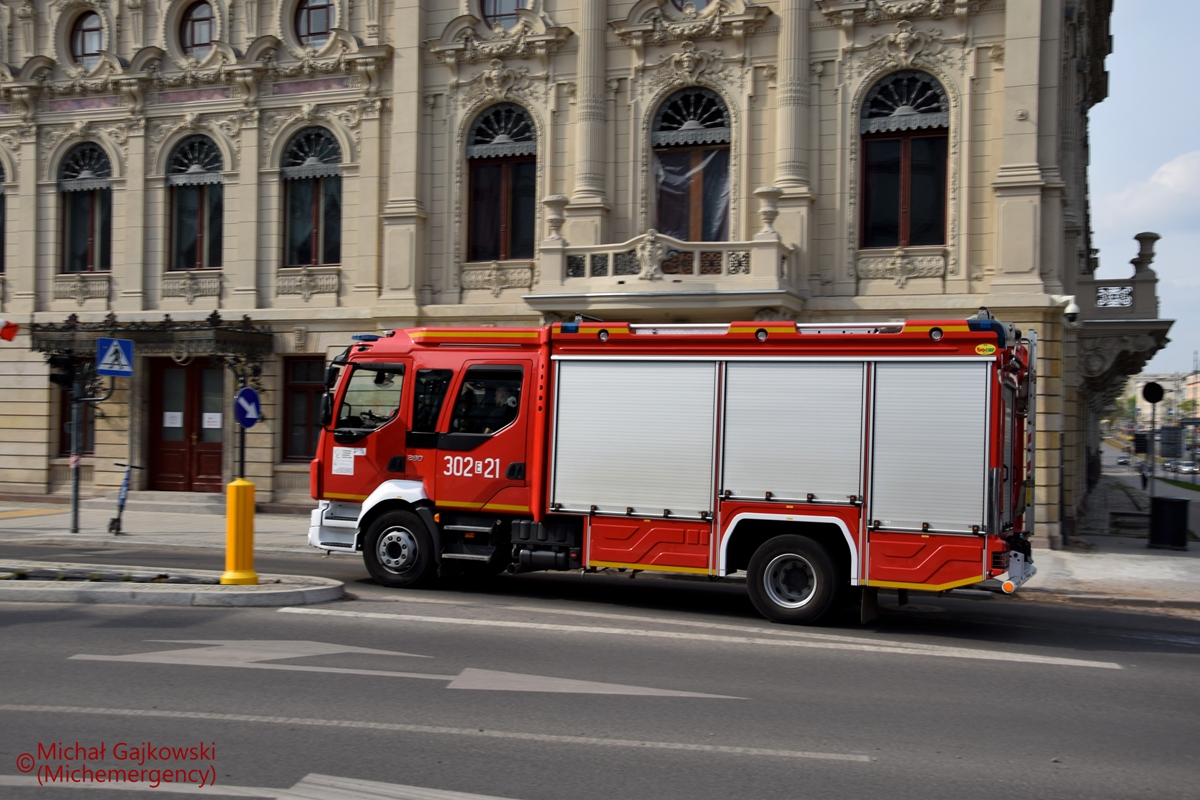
792, 579
398, 551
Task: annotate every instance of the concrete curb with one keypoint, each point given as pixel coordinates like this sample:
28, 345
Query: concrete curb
274, 590
1107, 600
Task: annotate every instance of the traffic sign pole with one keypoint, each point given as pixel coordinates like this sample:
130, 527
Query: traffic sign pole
76, 414
239, 497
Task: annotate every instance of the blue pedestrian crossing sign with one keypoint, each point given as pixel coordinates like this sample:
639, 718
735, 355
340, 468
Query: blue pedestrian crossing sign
247, 407
114, 357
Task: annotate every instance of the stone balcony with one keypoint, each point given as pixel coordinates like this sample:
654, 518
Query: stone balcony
654, 271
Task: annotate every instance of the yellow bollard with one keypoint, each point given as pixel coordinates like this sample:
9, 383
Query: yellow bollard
239, 533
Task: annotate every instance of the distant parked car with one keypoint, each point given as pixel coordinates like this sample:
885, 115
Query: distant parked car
1123, 460
1168, 466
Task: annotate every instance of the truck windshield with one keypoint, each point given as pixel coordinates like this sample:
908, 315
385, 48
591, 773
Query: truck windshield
372, 397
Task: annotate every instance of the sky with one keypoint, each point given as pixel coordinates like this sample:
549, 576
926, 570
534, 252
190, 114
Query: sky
1145, 162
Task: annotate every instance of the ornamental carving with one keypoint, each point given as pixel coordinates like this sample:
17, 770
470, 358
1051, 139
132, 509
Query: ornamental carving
467, 39
190, 285
871, 12
81, 288
906, 48
661, 21
348, 116
901, 267
1114, 296
692, 66
497, 278
650, 254
307, 281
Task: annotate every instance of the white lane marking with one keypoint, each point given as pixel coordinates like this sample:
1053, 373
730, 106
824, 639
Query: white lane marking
520, 682
924, 650
434, 729
162, 788
250, 653
743, 629
312, 787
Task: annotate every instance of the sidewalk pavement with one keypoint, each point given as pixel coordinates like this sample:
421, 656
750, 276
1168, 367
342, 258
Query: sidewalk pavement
1098, 568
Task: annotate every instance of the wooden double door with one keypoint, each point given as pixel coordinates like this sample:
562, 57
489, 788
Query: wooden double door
187, 425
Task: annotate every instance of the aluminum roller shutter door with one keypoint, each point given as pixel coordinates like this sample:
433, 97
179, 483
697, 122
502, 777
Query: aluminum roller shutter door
793, 429
636, 435
929, 461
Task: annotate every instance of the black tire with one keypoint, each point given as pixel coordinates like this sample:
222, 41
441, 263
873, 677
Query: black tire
792, 579
398, 551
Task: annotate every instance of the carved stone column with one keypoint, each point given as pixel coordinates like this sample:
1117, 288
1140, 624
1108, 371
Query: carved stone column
791, 115
587, 214
792, 134
404, 213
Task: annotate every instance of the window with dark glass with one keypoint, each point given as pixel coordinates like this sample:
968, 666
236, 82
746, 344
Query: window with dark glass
501, 12
312, 180
87, 427
196, 30
488, 401
691, 135
86, 192
428, 396
314, 19
502, 153
904, 144
197, 204
87, 39
303, 387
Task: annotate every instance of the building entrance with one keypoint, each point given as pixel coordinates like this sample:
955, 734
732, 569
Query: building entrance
186, 425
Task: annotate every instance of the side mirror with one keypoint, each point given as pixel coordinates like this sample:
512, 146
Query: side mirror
331, 376
326, 410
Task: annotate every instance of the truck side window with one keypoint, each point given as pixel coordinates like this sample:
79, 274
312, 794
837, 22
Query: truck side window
488, 401
430, 393
372, 398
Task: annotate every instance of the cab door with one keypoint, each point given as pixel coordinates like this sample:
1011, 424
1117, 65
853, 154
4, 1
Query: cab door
367, 440
481, 453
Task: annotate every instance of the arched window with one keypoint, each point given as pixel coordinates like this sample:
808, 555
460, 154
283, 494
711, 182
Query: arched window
502, 154
314, 20
197, 204
904, 124
691, 136
501, 12
196, 30
83, 182
699, 5
87, 39
312, 181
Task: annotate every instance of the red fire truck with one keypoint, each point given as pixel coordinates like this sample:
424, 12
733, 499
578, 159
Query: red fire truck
811, 457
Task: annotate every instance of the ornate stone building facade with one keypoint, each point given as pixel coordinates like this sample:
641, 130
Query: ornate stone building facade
329, 167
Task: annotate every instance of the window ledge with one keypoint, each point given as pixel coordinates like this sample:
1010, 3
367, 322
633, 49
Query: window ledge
308, 280
82, 286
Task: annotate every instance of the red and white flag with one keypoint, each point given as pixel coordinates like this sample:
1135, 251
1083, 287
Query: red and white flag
8, 330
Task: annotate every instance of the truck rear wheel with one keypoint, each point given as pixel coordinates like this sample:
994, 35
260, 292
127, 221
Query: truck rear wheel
398, 551
792, 579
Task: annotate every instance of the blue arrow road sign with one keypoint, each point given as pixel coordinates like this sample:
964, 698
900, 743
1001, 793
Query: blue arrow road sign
114, 357
247, 407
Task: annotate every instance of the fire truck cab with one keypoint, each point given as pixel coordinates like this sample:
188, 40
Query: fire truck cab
811, 458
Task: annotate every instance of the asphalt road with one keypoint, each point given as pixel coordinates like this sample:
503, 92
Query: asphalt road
567, 686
